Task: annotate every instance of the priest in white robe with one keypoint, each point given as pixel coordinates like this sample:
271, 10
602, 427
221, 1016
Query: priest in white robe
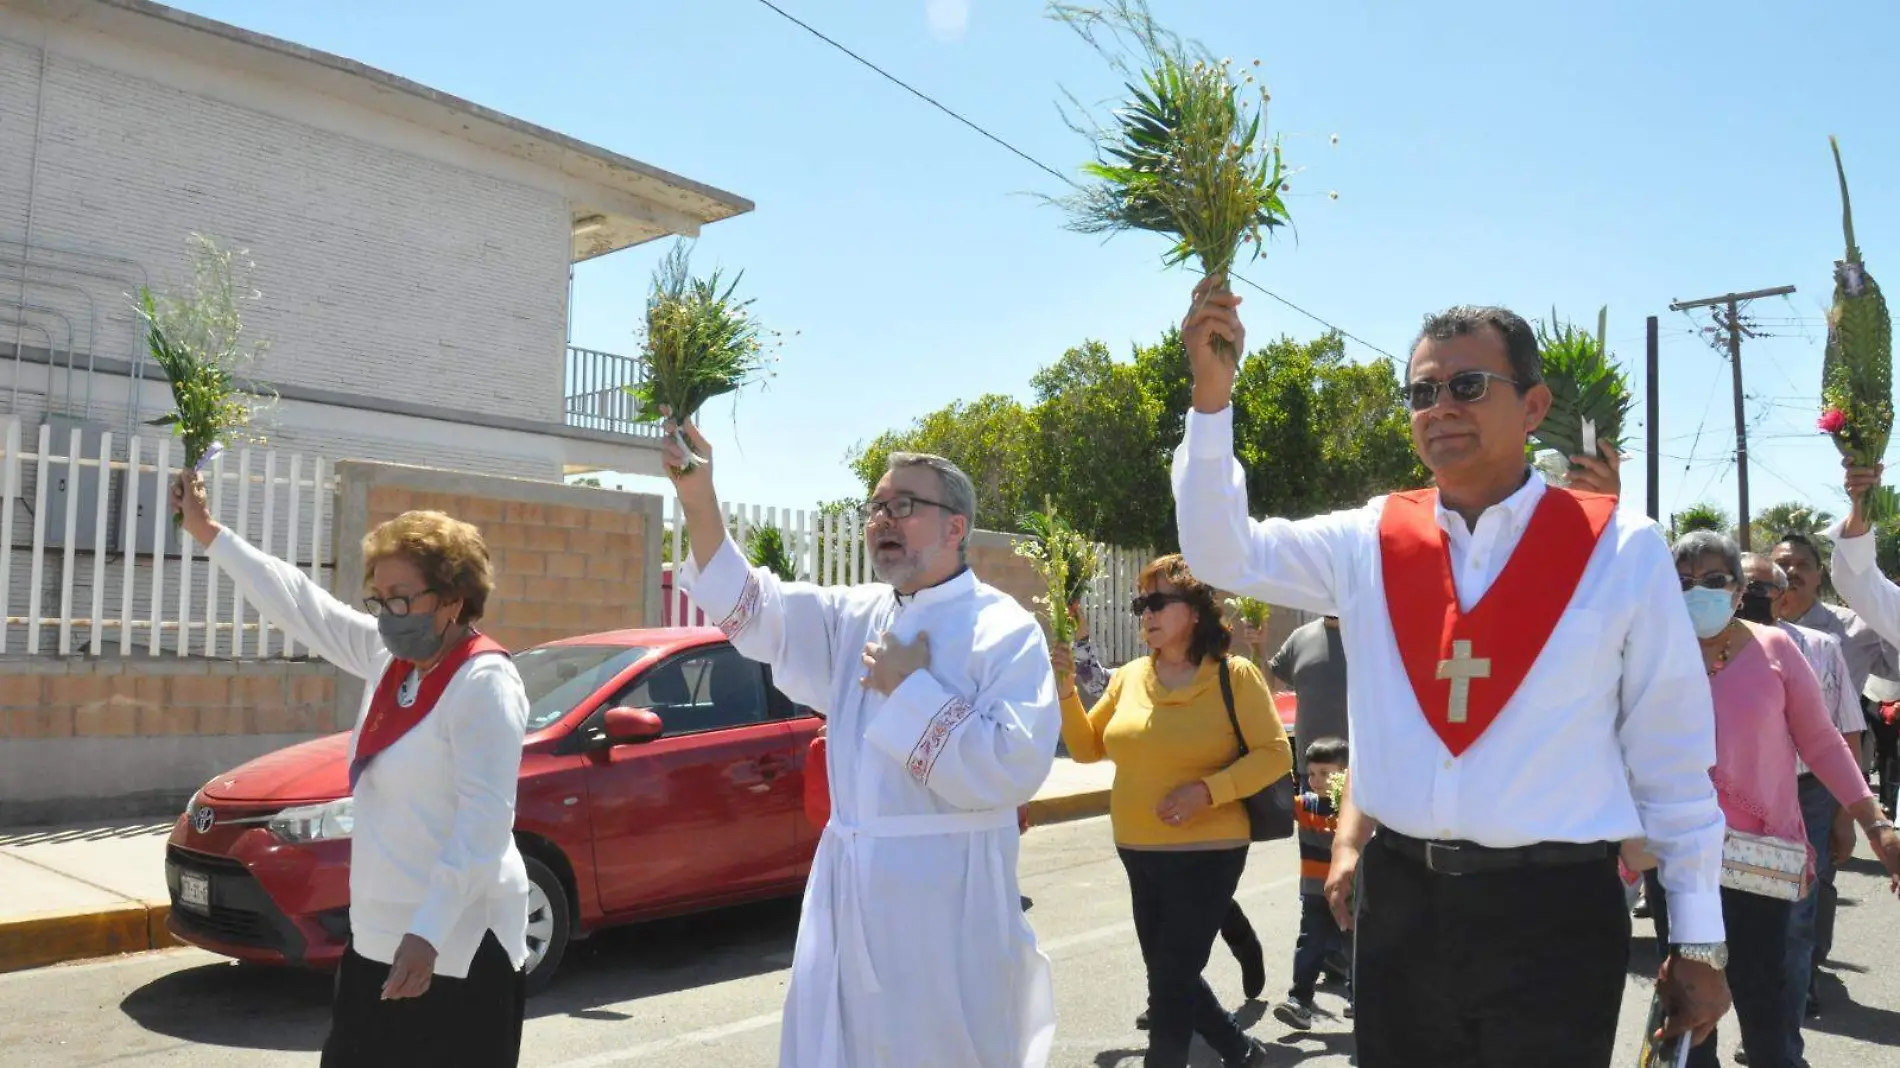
912, 946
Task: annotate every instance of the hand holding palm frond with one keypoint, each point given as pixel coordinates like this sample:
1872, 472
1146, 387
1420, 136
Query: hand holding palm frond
1186, 156
1590, 394
700, 343
1066, 561
197, 338
1857, 366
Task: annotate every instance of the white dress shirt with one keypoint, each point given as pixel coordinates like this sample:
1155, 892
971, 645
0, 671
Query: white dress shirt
1823, 654
1610, 737
433, 850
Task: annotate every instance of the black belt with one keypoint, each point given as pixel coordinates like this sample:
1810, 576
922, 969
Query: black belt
1470, 858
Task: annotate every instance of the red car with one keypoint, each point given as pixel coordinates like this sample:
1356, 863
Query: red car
662, 773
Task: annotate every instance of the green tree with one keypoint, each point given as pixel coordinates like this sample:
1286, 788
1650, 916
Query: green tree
1789, 517
1097, 455
988, 438
1700, 516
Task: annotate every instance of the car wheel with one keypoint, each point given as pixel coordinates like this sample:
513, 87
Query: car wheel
550, 923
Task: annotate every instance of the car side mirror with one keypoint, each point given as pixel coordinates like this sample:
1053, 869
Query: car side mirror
625, 726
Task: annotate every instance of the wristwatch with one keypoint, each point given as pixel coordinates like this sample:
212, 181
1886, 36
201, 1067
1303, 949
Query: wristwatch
1879, 825
1713, 954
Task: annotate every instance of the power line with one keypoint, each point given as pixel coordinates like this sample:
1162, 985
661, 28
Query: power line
1039, 165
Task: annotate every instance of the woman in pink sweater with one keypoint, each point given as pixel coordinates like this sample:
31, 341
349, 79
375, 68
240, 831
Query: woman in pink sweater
1768, 709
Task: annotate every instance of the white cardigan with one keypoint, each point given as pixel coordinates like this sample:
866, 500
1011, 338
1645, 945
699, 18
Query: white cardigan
433, 851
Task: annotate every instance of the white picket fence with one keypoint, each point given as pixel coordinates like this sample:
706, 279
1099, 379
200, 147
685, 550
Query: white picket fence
64, 593
829, 549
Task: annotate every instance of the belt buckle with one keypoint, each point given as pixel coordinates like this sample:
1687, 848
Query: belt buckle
1432, 849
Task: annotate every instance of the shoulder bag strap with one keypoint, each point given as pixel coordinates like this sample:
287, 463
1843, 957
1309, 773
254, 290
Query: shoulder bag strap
1227, 695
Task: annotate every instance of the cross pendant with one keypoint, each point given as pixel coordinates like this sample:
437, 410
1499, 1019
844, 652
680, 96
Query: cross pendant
1461, 669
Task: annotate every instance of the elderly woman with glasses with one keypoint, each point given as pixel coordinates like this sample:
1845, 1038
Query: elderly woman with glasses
1768, 711
438, 892
1168, 721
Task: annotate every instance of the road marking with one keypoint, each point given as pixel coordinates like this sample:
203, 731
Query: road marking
707, 1036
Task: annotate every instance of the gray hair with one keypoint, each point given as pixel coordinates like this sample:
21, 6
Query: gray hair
1520, 341
958, 492
1693, 546
1780, 576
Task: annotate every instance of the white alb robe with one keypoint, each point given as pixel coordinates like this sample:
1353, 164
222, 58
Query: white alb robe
912, 947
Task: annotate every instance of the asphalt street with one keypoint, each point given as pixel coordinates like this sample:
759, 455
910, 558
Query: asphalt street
706, 991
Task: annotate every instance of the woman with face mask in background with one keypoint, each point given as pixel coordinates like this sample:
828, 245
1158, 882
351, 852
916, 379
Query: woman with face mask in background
1768, 710
438, 892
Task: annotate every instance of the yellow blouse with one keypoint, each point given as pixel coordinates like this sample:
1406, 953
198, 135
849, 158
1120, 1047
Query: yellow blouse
1160, 739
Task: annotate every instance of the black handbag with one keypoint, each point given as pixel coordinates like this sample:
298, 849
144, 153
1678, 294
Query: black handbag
1270, 811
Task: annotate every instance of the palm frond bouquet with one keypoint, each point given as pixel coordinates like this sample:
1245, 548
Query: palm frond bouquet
1857, 366
701, 342
766, 548
1250, 610
196, 336
1066, 561
1186, 155
1590, 394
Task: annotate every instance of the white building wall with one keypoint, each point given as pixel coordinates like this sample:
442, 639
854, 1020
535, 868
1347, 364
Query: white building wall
400, 271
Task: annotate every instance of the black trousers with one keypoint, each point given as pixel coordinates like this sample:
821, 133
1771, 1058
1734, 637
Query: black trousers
470, 1023
1757, 931
1495, 970
1320, 937
1180, 899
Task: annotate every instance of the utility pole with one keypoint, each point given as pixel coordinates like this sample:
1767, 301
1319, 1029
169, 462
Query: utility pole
1654, 422
1732, 320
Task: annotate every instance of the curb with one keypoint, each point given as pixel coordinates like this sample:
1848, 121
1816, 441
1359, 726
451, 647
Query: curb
1063, 808
79, 934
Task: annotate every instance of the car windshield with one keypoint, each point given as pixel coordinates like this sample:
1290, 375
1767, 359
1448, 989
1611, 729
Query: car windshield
558, 677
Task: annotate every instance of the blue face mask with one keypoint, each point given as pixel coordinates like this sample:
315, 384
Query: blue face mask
1709, 610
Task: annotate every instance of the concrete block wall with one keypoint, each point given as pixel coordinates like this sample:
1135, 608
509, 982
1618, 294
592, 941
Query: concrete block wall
568, 559
85, 738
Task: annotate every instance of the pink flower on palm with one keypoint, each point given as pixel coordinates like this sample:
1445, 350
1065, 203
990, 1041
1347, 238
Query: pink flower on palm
1832, 421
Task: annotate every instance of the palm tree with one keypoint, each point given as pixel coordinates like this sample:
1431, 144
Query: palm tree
1790, 517
1700, 516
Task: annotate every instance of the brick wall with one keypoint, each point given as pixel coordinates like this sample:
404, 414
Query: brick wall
379, 244
88, 738
568, 559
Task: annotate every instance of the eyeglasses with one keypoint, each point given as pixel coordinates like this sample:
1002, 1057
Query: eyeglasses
1154, 602
899, 507
394, 606
1763, 589
1714, 580
1467, 387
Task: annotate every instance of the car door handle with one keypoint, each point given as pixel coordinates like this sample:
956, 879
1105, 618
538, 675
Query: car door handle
773, 766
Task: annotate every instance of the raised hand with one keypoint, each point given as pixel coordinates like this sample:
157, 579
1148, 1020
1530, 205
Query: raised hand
188, 503
1859, 482
1214, 314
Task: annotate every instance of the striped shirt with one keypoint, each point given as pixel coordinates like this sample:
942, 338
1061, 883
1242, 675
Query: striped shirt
1314, 818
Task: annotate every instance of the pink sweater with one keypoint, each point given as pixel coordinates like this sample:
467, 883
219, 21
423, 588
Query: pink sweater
1768, 708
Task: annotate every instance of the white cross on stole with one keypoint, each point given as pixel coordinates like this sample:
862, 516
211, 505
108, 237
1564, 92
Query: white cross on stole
1461, 669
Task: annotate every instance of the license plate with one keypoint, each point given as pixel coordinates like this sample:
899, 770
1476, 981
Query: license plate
194, 891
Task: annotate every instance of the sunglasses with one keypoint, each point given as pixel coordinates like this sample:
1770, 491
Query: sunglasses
1154, 602
1467, 387
1714, 580
1762, 589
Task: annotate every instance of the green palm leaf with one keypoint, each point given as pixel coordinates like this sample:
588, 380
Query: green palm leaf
1585, 384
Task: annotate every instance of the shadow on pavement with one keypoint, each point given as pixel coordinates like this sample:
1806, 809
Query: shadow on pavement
251, 1007
1840, 1015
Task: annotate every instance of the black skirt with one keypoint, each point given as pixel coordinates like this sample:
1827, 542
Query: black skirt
470, 1023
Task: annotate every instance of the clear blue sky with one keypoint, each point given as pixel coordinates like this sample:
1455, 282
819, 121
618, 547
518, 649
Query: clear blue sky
1623, 153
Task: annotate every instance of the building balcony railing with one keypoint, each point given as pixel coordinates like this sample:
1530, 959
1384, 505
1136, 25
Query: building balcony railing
596, 397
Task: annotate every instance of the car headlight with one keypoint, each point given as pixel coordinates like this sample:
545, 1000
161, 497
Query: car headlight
315, 823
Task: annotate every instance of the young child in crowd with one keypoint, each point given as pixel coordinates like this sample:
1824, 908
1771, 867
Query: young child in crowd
1320, 937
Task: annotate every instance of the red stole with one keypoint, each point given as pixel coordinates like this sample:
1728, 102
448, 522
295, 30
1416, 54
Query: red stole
1464, 666
388, 720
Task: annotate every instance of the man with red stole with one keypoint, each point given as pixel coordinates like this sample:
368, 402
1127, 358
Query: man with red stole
1525, 692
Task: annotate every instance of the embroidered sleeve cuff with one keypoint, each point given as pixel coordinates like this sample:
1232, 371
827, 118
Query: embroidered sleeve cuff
1695, 917
727, 590
1210, 437
915, 723
1857, 554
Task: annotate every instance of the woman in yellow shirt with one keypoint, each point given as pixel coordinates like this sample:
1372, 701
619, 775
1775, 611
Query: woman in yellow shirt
1176, 809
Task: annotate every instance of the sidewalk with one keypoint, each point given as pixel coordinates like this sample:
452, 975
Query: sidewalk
71, 893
